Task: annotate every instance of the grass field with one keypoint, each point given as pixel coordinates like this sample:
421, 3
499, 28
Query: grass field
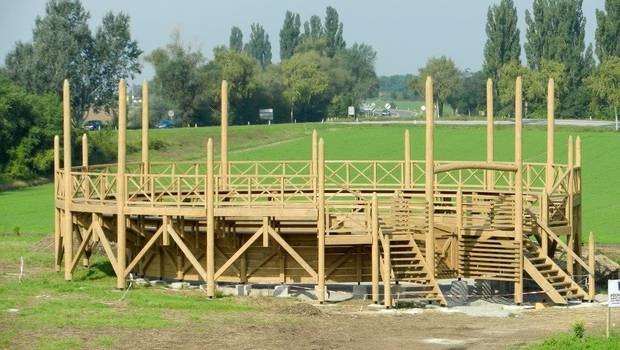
29, 210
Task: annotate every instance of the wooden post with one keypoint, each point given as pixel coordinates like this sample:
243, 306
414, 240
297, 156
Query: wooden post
519, 189
490, 178
550, 137
145, 127
321, 222
387, 275
570, 240
459, 230
57, 221
430, 179
86, 187
121, 225
68, 217
375, 249
591, 266
314, 165
407, 164
224, 136
210, 254
577, 228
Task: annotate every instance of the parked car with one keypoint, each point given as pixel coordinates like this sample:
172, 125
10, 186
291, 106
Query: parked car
165, 124
93, 125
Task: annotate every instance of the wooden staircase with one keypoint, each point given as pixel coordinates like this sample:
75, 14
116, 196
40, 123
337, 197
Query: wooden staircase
406, 259
556, 283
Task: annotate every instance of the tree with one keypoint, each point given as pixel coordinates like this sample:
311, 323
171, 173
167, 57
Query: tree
445, 79
63, 47
289, 34
235, 43
259, 46
605, 84
469, 95
502, 44
555, 31
608, 30
178, 77
305, 81
333, 32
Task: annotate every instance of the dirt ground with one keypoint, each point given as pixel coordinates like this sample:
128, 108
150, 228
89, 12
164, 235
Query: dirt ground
289, 324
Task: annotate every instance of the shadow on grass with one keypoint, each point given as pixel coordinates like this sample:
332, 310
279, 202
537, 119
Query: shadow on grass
97, 270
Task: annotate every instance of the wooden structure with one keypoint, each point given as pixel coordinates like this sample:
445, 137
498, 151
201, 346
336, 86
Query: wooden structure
407, 222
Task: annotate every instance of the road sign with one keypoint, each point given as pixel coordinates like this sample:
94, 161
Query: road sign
613, 292
170, 113
351, 111
265, 114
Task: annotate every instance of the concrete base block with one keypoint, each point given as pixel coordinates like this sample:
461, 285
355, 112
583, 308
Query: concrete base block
361, 292
281, 291
243, 290
179, 285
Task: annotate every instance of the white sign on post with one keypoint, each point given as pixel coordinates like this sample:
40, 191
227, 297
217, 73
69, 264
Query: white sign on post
613, 292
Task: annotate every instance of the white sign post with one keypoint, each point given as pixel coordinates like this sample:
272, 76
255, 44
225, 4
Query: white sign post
613, 300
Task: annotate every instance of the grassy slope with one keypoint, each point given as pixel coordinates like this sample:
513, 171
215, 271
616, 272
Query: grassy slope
30, 209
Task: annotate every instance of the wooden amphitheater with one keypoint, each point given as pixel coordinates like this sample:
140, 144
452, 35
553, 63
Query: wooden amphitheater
320, 222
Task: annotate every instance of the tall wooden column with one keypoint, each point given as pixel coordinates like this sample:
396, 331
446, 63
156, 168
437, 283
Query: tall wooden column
550, 136
321, 222
86, 187
67, 222
57, 214
577, 211
375, 249
210, 254
519, 188
407, 163
430, 179
314, 165
570, 239
490, 178
121, 225
145, 127
224, 136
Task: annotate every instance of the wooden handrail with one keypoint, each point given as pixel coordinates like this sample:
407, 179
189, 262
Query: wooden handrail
475, 165
566, 248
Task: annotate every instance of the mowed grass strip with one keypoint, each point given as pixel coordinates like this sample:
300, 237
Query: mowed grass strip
31, 209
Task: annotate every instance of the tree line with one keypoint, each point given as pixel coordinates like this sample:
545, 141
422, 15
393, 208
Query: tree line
555, 48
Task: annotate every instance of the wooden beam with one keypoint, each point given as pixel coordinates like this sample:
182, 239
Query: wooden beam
145, 125
550, 135
57, 215
474, 165
210, 251
187, 252
490, 179
591, 265
98, 230
407, 163
262, 263
292, 252
518, 214
430, 178
224, 135
346, 256
320, 225
238, 253
68, 186
375, 248
145, 249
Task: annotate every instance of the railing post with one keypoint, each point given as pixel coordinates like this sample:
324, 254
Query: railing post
490, 178
121, 239
459, 230
430, 179
68, 216
321, 222
407, 164
518, 288
313, 167
570, 240
591, 266
57, 220
224, 136
210, 246
145, 134
375, 248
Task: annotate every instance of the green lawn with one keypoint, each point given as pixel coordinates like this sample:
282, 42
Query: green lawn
30, 209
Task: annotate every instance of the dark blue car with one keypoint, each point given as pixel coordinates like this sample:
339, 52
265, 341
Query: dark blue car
165, 124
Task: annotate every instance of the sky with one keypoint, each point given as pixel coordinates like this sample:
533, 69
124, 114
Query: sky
404, 33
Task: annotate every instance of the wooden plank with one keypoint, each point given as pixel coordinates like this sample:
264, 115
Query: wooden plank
346, 256
292, 252
145, 249
348, 239
237, 254
188, 253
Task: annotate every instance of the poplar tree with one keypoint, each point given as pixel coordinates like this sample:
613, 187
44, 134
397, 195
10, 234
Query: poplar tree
607, 35
502, 44
289, 34
235, 42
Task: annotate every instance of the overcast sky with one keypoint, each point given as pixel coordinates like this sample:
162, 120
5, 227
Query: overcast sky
404, 33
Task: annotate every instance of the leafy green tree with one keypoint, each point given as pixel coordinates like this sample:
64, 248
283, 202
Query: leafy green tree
608, 30
28, 123
396, 86
63, 47
555, 31
259, 46
333, 32
235, 42
506, 86
289, 34
502, 44
445, 79
469, 95
605, 85
179, 78
306, 81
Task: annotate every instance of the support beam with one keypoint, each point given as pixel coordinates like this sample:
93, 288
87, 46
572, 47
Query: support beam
387, 273
315, 151
430, 179
321, 222
57, 216
490, 178
292, 252
210, 222
518, 215
187, 252
224, 135
550, 135
375, 249
570, 240
68, 217
407, 163
145, 125
86, 189
591, 265
121, 225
